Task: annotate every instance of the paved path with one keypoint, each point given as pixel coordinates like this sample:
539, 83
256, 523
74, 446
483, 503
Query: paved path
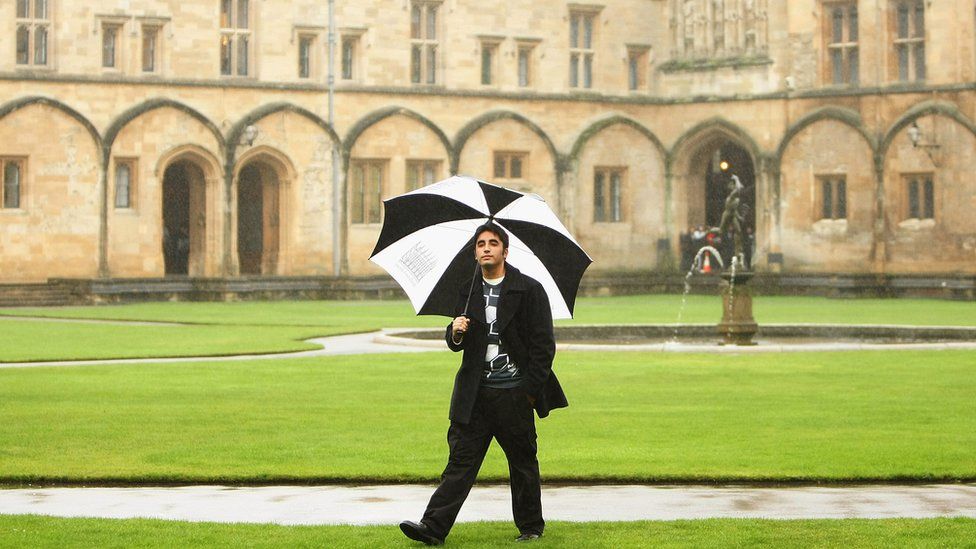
391, 504
386, 341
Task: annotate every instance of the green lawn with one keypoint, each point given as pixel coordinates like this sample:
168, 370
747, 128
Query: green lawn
260, 327
34, 531
634, 417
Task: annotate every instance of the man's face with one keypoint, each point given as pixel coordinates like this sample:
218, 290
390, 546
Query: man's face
488, 249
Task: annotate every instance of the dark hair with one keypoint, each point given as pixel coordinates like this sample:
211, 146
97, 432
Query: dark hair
493, 228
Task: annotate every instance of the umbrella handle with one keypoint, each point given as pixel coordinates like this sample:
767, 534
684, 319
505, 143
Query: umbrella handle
471, 289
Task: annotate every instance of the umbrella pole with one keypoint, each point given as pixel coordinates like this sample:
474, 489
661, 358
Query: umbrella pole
471, 289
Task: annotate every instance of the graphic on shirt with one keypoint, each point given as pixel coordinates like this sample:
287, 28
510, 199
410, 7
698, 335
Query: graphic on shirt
498, 367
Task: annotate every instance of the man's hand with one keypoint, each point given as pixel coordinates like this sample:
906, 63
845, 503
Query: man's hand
459, 326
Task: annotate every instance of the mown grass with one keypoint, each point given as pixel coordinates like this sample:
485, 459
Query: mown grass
263, 327
35, 531
634, 417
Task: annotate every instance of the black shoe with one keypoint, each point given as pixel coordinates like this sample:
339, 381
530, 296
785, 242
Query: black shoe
528, 536
419, 532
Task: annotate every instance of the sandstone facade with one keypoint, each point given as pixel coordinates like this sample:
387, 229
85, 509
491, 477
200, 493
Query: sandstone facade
148, 138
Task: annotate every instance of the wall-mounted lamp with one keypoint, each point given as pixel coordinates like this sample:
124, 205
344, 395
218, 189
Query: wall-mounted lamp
917, 138
250, 134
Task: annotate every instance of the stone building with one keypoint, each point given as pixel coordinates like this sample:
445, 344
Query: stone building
157, 138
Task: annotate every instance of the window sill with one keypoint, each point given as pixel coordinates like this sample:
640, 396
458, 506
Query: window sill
830, 227
915, 224
35, 68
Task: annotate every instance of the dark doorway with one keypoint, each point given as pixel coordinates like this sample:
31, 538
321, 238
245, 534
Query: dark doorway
176, 219
184, 219
727, 160
250, 220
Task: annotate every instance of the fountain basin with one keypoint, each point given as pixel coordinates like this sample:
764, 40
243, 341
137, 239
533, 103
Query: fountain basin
703, 338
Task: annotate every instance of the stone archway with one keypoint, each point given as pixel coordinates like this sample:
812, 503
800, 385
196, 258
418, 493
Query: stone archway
702, 187
184, 219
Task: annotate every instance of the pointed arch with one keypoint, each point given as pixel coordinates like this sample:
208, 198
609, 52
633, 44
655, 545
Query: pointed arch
204, 159
925, 108
844, 116
17, 104
150, 105
494, 116
710, 127
614, 119
274, 156
234, 135
377, 116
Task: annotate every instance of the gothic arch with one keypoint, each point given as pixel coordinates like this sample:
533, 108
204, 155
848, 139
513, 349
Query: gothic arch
494, 116
926, 108
717, 126
844, 116
375, 117
196, 154
234, 135
150, 105
23, 102
593, 129
272, 156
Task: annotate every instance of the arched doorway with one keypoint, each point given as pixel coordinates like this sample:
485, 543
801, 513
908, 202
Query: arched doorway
711, 170
258, 214
184, 219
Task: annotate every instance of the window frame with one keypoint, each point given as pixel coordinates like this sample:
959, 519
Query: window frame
831, 197
349, 65
117, 28
507, 158
34, 27
425, 35
132, 164
490, 46
913, 44
416, 171
21, 162
583, 25
637, 67
609, 195
922, 186
155, 30
231, 36
848, 73
525, 49
307, 58
358, 189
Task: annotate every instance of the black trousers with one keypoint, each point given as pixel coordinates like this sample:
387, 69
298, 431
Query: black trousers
506, 415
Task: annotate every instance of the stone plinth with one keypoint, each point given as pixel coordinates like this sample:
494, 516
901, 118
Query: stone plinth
737, 326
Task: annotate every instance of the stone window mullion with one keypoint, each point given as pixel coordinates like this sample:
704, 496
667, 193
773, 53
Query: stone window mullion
32, 32
235, 38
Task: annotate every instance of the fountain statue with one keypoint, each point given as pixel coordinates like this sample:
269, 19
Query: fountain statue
737, 326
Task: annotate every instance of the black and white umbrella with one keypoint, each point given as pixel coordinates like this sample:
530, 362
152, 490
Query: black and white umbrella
427, 242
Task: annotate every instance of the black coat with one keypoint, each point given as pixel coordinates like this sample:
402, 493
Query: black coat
524, 321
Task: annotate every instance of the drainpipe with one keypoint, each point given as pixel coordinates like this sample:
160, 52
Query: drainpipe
336, 191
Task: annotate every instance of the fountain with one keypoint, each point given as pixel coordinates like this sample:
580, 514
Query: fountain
737, 326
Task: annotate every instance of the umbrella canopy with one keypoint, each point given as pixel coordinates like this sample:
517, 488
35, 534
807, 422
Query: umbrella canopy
427, 242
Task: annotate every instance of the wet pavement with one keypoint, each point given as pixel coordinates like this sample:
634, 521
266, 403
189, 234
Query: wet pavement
389, 340
295, 505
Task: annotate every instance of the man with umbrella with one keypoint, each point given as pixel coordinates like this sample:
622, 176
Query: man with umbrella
503, 325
